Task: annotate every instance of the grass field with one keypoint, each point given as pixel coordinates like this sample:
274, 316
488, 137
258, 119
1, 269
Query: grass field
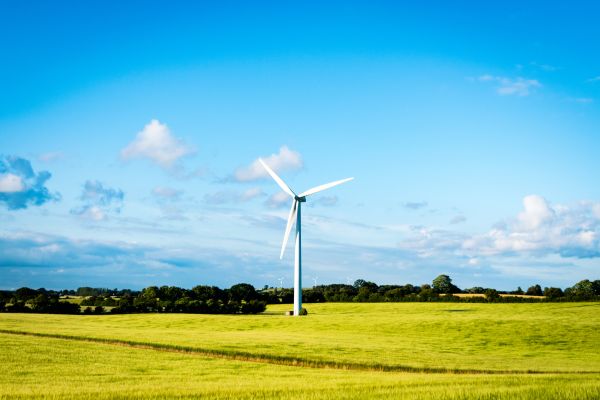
381, 350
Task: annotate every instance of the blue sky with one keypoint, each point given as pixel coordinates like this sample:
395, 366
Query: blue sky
129, 135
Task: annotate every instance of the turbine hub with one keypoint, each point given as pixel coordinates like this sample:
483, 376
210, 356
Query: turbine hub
301, 199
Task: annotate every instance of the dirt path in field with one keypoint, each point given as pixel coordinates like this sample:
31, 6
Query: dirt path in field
280, 360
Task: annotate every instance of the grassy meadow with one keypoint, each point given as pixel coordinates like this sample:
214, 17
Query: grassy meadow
378, 350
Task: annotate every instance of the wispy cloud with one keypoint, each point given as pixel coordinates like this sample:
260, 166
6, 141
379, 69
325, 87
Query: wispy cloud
458, 219
20, 186
327, 201
230, 196
51, 156
511, 86
166, 193
156, 143
415, 205
284, 160
278, 200
544, 67
99, 201
583, 100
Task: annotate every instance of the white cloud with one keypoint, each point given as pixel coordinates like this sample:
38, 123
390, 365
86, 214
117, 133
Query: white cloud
542, 229
228, 196
583, 100
156, 143
11, 183
536, 212
278, 200
94, 213
511, 86
252, 193
458, 219
164, 192
286, 159
99, 201
415, 205
50, 156
327, 201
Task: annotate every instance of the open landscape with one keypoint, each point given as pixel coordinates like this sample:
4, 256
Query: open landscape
343, 350
299, 200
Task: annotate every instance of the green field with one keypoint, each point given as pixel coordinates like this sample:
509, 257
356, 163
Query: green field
379, 350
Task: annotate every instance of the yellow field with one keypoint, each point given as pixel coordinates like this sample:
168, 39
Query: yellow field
490, 351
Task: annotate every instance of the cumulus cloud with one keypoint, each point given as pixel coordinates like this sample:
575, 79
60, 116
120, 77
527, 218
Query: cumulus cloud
156, 143
542, 229
11, 183
511, 86
285, 160
99, 201
229, 196
20, 186
415, 205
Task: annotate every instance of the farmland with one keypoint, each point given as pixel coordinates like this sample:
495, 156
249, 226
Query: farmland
400, 350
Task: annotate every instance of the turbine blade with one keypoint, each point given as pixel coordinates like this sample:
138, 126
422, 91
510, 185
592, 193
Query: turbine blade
277, 179
288, 227
324, 187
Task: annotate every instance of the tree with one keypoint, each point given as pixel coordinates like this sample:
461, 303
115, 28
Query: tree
491, 295
443, 284
358, 283
582, 290
535, 290
519, 290
243, 292
206, 293
553, 292
253, 307
150, 293
171, 293
25, 293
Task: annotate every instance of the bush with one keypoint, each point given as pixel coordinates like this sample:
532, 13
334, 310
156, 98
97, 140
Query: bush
492, 295
253, 307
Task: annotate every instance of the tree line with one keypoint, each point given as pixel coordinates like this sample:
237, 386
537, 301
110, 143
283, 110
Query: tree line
243, 298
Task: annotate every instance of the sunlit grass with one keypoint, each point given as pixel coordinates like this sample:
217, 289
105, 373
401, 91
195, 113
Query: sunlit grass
43, 368
502, 337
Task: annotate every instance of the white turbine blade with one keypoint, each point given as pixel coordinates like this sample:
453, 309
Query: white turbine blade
324, 187
277, 179
288, 228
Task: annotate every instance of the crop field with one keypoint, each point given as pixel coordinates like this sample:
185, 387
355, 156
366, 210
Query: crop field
377, 350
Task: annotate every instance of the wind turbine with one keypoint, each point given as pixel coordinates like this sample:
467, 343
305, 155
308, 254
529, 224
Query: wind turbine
296, 212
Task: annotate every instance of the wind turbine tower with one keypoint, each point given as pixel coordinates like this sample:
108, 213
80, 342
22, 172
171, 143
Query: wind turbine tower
295, 213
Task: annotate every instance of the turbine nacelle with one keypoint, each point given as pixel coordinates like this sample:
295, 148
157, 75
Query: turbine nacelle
300, 199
